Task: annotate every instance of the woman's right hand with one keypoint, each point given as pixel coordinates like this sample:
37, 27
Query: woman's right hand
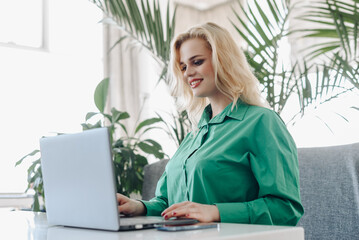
130, 207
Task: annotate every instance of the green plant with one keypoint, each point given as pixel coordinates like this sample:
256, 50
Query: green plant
142, 24
310, 79
281, 78
338, 23
338, 29
178, 128
34, 178
129, 151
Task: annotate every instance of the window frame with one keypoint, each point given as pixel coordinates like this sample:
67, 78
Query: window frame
44, 33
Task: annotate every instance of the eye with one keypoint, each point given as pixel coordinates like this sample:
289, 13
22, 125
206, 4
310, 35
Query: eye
183, 68
198, 62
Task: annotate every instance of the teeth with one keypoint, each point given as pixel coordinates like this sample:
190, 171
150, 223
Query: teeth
195, 82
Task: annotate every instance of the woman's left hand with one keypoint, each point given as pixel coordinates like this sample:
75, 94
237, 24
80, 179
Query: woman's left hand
201, 212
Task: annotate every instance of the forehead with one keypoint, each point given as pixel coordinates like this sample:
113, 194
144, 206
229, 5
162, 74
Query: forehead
193, 47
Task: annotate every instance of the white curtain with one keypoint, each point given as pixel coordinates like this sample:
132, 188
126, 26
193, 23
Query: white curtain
120, 65
190, 13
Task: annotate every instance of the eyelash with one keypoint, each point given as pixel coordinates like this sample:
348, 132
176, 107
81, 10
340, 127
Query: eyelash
196, 62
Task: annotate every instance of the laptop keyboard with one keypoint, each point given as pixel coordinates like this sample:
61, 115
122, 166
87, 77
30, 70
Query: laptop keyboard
140, 220
125, 220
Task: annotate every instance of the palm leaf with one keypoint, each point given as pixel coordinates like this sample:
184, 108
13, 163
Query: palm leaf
341, 20
143, 24
263, 31
314, 84
319, 83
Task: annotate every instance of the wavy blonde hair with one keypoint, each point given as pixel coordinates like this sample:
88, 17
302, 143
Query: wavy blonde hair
233, 76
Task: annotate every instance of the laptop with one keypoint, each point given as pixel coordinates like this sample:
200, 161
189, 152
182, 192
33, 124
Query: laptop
79, 184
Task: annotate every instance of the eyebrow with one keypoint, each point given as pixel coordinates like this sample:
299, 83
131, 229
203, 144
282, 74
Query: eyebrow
191, 58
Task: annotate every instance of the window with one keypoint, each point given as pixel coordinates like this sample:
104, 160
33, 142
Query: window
45, 91
23, 23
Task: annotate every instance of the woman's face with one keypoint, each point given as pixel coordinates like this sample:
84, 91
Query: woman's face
196, 67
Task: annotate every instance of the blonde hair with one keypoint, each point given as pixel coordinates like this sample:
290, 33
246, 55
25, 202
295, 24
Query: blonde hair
233, 76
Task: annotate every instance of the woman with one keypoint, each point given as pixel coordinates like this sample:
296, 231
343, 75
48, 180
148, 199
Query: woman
239, 164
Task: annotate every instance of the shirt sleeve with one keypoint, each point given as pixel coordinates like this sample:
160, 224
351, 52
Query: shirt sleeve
274, 163
156, 205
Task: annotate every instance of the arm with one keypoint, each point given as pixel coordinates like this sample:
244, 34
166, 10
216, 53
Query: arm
153, 207
156, 205
273, 160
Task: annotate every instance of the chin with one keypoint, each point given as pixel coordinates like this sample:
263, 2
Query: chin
199, 95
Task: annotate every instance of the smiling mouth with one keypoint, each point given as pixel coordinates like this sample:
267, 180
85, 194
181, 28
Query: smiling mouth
195, 83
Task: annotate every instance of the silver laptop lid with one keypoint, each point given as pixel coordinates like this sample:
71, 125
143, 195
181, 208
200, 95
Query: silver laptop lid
79, 180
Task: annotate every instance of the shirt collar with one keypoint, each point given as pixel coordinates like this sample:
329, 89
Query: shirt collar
237, 113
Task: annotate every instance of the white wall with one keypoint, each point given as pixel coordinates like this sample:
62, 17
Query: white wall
43, 92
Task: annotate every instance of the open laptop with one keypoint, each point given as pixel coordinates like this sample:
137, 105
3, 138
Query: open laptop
79, 184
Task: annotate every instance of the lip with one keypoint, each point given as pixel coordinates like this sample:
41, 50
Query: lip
193, 80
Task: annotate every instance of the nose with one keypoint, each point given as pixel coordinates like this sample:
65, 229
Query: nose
190, 71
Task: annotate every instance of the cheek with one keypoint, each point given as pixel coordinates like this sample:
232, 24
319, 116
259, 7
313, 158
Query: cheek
209, 70
185, 82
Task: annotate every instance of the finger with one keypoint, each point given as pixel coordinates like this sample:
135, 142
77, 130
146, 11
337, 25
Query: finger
177, 205
121, 199
181, 211
178, 212
193, 214
173, 207
125, 209
120, 196
200, 216
193, 210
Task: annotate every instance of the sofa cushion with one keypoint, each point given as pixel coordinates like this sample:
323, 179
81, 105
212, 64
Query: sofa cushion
329, 191
152, 173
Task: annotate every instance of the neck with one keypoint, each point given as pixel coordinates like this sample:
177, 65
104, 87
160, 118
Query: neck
219, 104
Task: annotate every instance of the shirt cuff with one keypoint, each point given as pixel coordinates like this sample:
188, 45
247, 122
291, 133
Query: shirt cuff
233, 212
153, 208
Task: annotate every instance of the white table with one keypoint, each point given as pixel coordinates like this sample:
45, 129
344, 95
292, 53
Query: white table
21, 225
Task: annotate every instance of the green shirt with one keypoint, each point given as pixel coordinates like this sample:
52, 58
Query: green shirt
244, 161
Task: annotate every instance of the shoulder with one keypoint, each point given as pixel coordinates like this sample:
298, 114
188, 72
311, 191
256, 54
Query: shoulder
262, 114
266, 123
267, 127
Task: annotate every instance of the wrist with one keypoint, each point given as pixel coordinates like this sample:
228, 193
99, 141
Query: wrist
215, 214
140, 208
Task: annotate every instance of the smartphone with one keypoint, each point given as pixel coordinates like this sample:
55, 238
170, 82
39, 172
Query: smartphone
186, 227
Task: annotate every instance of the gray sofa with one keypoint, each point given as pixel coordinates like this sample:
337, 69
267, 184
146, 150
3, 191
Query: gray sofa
329, 190
152, 174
